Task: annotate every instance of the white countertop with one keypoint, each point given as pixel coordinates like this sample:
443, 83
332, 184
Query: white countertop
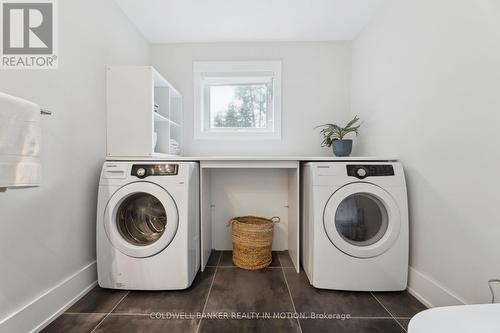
161, 157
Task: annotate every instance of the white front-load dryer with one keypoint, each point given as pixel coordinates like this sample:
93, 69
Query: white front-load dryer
355, 225
148, 225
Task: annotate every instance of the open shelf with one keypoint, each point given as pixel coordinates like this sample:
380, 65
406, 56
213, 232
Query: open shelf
229, 189
159, 117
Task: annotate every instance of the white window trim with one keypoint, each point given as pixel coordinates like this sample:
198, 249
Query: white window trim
250, 70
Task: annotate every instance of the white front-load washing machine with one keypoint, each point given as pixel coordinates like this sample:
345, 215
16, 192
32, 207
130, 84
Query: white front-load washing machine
148, 230
355, 225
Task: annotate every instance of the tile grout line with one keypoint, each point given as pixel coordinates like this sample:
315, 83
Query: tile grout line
114, 307
390, 313
208, 294
289, 293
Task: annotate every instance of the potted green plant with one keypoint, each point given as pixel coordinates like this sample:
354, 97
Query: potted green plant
333, 136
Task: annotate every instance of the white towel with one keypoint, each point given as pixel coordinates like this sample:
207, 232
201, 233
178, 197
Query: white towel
174, 143
175, 147
19, 142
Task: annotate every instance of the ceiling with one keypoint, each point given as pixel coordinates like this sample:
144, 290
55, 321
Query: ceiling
173, 21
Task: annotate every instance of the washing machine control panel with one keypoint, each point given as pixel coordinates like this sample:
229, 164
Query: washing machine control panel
370, 170
146, 170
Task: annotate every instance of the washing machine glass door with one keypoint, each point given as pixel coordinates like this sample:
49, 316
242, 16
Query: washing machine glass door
141, 219
362, 220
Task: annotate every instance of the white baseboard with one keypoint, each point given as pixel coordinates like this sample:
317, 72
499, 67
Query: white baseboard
38, 313
430, 292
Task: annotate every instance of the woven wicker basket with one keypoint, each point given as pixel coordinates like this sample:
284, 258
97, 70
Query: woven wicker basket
252, 241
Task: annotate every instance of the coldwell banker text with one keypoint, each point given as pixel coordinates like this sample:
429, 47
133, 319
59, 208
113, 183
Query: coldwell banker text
29, 34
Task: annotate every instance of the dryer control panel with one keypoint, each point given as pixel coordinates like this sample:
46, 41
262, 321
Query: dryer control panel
367, 170
146, 170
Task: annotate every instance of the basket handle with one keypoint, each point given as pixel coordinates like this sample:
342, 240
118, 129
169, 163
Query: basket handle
275, 219
230, 223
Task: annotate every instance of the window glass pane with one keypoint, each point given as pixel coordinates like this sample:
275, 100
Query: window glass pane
240, 105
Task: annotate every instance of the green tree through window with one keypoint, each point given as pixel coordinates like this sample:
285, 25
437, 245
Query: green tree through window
248, 109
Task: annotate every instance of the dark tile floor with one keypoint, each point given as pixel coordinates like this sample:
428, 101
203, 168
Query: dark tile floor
271, 296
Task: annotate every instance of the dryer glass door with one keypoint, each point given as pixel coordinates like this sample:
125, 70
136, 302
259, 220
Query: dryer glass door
362, 220
141, 219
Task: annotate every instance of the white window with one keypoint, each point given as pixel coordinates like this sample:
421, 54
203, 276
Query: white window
237, 100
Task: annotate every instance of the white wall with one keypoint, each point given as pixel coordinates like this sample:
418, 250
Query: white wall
242, 192
426, 82
48, 233
316, 89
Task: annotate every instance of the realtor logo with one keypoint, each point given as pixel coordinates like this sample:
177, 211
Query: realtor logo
28, 34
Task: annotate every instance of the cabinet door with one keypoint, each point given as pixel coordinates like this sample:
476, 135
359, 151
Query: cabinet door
129, 111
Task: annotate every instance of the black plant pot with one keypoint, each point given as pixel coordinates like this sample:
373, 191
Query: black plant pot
342, 148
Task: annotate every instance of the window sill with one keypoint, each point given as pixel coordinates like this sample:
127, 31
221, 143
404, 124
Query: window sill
237, 136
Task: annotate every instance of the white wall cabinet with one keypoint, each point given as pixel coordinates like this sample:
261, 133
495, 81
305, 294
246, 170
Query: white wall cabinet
132, 93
